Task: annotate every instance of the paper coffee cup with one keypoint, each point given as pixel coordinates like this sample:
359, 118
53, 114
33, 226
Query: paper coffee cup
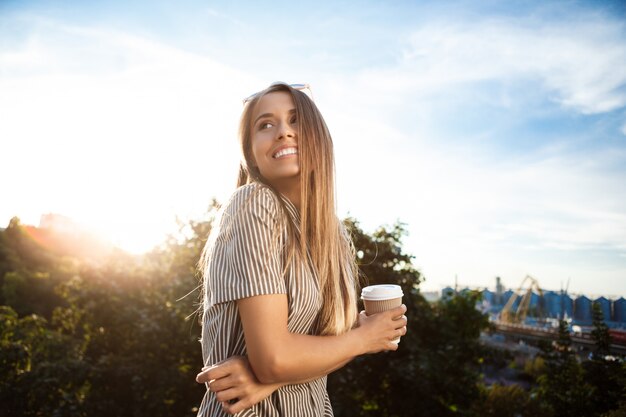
379, 298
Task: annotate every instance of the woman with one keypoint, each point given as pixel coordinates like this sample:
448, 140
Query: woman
280, 299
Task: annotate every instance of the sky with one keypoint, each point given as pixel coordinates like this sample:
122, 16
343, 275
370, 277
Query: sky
496, 131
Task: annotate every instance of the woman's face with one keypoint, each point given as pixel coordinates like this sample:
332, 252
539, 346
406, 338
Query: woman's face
274, 141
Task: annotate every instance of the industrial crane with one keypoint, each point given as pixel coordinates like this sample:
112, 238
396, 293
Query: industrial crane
507, 314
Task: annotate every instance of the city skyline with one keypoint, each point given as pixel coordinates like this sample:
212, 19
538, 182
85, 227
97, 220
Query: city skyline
591, 296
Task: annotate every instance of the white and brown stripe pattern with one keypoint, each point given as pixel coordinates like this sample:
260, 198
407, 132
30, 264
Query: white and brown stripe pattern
246, 259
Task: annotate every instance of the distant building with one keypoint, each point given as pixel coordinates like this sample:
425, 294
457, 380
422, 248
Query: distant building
568, 305
534, 306
557, 305
499, 299
464, 291
534, 300
619, 310
552, 304
447, 292
489, 297
605, 306
582, 309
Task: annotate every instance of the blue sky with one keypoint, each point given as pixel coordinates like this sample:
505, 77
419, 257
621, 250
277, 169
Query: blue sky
497, 131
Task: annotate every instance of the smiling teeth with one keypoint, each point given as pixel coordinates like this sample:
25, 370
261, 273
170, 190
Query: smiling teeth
286, 151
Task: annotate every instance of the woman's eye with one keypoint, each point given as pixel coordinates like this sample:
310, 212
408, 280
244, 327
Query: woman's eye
265, 125
293, 120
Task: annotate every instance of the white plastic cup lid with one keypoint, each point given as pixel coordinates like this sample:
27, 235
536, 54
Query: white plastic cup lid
381, 292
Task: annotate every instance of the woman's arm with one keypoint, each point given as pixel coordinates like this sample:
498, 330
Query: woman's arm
235, 385
278, 356
238, 388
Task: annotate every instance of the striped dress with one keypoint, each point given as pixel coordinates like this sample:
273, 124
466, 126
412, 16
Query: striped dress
246, 258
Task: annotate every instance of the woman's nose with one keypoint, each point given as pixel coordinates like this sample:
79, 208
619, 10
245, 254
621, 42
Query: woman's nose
285, 130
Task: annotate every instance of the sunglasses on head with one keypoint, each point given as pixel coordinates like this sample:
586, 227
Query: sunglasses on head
305, 88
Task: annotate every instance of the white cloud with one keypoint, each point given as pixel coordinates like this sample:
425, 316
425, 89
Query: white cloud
469, 212
582, 62
480, 217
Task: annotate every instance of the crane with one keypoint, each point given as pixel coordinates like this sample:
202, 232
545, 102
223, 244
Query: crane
507, 314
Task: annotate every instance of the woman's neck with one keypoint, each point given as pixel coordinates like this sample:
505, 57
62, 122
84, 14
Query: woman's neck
293, 196
291, 190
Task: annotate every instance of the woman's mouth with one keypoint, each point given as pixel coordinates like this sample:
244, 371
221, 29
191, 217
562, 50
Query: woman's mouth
285, 152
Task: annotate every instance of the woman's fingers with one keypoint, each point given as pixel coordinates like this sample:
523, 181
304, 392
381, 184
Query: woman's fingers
214, 372
234, 385
203, 376
398, 333
397, 312
402, 317
234, 408
400, 322
227, 395
232, 365
222, 384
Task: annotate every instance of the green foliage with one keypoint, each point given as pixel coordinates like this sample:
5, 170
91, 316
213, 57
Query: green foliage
619, 412
41, 372
435, 370
600, 333
535, 367
22, 249
604, 373
115, 338
508, 401
28, 273
109, 338
563, 386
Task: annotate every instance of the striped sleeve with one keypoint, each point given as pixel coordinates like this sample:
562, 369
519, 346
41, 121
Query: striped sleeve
247, 258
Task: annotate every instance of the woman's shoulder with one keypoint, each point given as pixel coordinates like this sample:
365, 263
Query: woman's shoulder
254, 198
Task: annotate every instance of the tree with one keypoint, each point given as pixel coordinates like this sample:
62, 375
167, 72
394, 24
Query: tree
117, 340
114, 337
600, 333
508, 401
563, 387
619, 412
435, 370
41, 371
604, 372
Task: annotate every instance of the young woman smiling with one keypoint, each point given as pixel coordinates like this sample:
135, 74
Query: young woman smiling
279, 272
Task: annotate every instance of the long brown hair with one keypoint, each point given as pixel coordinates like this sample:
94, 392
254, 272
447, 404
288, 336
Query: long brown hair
321, 232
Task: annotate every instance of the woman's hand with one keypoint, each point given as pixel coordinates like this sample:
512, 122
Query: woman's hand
378, 330
235, 385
